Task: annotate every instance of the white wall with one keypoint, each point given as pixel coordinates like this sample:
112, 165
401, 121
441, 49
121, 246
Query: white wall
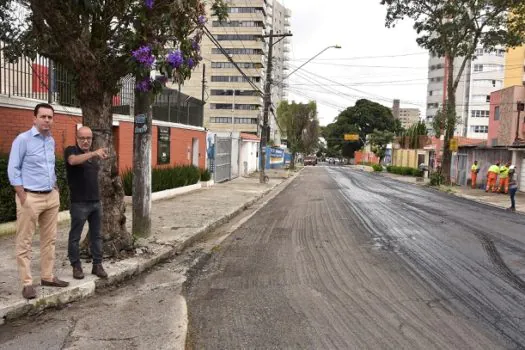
249, 151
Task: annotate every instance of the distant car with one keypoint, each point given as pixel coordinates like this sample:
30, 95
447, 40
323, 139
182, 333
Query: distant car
310, 161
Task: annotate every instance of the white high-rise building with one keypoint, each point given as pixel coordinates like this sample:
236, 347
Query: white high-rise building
481, 76
232, 103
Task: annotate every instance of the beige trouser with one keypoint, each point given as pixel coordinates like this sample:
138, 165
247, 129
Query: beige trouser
44, 209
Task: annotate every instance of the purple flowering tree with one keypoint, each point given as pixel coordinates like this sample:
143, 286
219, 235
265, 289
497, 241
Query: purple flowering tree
100, 42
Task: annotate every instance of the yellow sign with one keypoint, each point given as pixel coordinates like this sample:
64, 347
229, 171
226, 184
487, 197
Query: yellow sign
351, 137
454, 145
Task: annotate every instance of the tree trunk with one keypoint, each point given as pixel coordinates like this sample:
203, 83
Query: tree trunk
450, 125
142, 166
97, 115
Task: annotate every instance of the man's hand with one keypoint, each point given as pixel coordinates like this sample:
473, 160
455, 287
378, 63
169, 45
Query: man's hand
102, 153
22, 195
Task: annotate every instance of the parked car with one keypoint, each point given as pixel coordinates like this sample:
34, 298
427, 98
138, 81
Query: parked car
310, 160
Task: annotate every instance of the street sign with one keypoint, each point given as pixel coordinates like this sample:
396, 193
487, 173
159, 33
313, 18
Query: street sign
454, 144
351, 137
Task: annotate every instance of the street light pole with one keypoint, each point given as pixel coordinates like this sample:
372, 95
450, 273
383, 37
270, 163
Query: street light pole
311, 59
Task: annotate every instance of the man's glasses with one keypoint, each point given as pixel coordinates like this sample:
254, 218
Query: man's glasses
84, 138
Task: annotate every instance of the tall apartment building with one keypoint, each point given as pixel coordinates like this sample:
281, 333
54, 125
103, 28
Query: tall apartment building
232, 104
481, 77
407, 116
515, 67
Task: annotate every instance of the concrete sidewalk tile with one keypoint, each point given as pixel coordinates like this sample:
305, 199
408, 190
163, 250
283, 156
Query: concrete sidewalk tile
199, 213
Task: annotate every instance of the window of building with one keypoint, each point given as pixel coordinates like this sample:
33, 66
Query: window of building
480, 114
432, 105
496, 113
245, 10
226, 65
216, 92
237, 51
478, 68
233, 79
221, 120
238, 106
237, 37
480, 129
488, 83
245, 120
238, 24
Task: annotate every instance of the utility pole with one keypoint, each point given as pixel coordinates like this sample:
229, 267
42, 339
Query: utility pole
265, 131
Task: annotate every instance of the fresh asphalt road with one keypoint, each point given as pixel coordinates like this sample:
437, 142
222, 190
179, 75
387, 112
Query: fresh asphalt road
344, 259
340, 259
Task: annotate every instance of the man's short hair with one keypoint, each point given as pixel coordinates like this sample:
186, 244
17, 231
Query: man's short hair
42, 105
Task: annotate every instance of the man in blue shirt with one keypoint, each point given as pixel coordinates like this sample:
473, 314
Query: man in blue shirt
31, 172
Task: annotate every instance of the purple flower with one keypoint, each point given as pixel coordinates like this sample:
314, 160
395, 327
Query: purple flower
190, 62
144, 56
144, 85
174, 59
202, 19
195, 45
149, 3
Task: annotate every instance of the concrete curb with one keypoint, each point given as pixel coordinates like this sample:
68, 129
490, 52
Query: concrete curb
53, 297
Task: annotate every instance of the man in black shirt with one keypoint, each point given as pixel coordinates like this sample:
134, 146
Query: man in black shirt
82, 176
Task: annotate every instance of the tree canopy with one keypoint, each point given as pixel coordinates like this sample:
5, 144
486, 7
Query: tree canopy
363, 119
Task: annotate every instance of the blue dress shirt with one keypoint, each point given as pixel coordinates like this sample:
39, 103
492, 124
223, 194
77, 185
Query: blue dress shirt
32, 161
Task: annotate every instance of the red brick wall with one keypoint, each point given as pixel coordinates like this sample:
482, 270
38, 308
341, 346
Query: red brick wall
367, 157
16, 121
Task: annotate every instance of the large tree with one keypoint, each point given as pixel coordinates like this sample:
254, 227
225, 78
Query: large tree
454, 30
363, 119
101, 42
299, 123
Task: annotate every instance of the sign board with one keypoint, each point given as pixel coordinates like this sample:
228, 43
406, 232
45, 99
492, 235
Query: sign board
141, 126
454, 144
351, 137
163, 145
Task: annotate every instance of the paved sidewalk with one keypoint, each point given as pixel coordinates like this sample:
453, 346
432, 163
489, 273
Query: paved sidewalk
499, 200
176, 224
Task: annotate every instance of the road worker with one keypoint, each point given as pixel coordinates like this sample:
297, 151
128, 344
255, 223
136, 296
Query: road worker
474, 170
504, 178
492, 177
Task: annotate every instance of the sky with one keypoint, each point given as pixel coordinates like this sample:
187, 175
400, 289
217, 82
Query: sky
374, 62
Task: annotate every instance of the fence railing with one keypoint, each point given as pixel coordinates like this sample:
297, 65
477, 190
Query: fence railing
43, 80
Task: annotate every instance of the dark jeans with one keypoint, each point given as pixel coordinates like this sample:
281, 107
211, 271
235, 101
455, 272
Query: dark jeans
512, 193
80, 212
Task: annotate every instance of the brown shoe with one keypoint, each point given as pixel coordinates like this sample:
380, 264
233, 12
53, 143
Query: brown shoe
98, 271
78, 274
55, 283
29, 292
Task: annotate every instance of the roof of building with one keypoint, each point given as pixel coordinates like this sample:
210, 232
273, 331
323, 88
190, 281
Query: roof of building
246, 136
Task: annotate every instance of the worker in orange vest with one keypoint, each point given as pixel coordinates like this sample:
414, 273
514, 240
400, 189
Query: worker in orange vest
492, 177
504, 178
474, 170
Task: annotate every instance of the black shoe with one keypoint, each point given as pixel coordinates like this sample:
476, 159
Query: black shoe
98, 271
54, 283
78, 274
29, 292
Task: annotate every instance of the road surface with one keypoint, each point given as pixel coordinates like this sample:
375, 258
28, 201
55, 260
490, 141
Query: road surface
344, 259
340, 259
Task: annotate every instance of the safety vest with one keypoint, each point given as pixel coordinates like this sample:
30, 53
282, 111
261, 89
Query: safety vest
494, 169
474, 168
504, 172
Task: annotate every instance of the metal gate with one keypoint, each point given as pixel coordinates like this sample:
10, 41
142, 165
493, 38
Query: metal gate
462, 170
223, 157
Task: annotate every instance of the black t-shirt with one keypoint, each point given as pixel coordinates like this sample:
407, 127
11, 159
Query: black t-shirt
82, 178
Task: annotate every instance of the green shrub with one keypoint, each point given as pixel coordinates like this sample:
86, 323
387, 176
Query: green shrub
165, 178
377, 167
402, 170
436, 179
205, 175
7, 194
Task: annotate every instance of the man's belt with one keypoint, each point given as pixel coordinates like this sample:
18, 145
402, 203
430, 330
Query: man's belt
37, 192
